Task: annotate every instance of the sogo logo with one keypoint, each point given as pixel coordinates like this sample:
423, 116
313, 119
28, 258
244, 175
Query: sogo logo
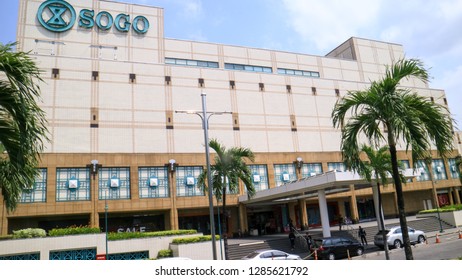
60, 16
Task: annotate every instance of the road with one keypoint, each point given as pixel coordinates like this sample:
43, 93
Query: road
450, 247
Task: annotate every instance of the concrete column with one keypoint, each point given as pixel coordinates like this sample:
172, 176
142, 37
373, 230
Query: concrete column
303, 214
94, 186
451, 198
4, 220
324, 213
174, 224
291, 209
243, 224
456, 195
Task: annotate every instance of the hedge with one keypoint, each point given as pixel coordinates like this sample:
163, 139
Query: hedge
194, 239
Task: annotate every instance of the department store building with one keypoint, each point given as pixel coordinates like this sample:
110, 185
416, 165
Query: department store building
113, 85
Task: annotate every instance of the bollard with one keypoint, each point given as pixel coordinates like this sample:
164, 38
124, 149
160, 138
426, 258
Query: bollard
437, 238
315, 254
460, 234
348, 253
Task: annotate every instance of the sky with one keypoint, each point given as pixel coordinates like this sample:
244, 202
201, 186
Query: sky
428, 30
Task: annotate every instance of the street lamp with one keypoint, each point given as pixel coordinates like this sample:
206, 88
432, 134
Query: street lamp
205, 116
94, 167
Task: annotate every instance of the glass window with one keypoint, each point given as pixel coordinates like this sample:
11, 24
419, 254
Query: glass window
337, 166
439, 171
153, 182
170, 61
72, 184
36, 192
259, 177
186, 181
267, 70
114, 183
311, 169
422, 171
284, 173
453, 168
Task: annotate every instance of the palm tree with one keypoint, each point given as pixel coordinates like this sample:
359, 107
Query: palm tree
22, 123
407, 118
378, 167
229, 168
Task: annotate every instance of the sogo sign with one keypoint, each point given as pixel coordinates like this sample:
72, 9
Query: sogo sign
60, 16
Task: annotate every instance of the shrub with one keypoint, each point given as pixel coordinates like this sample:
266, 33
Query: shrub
29, 233
446, 208
166, 253
73, 230
131, 235
194, 239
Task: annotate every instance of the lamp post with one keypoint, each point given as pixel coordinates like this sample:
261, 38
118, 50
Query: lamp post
105, 222
205, 116
94, 167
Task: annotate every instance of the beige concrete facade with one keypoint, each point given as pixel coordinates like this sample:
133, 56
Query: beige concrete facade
112, 96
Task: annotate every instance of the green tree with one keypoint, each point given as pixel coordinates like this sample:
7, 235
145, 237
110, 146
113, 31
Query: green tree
229, 168
377, 168
22, 123
407, 118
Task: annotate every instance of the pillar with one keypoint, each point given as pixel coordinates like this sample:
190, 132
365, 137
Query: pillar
291, 209
303, 214
243, 225
456, 195
324, 213
174, 224
451, 198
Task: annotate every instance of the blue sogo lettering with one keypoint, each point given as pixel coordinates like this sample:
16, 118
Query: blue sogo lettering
122, 22
145, 24
109, 20
86, 18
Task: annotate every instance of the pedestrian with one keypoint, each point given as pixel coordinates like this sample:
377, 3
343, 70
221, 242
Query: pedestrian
309, 241
362, 235
292, 240
291, 226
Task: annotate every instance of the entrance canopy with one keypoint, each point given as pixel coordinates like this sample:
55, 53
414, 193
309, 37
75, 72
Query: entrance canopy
331, 182
319, 185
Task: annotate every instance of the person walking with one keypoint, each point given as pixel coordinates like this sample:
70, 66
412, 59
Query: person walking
309, 241
362, 235
292, 240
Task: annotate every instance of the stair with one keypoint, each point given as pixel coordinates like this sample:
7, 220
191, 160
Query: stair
238, 251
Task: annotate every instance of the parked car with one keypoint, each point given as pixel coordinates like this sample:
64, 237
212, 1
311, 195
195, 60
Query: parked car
395, 237
271, 255
332, 248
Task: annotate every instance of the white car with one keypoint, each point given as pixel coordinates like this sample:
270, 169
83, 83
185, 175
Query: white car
271, 255
395, 237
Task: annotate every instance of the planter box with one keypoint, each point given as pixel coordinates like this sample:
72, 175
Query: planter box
195, 251
454, 218
85, 241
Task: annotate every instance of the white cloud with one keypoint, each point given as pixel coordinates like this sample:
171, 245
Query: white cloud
428, 30
326, 24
